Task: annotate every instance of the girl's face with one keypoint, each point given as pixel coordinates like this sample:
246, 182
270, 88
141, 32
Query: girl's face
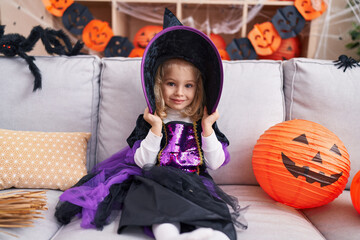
179, 86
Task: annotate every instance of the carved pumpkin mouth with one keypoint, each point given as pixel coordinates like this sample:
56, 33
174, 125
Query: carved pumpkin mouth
309, 175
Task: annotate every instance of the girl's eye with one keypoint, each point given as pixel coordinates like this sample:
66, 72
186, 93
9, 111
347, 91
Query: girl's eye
171, 84
188, 85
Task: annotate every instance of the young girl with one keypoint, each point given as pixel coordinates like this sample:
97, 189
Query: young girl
160, 181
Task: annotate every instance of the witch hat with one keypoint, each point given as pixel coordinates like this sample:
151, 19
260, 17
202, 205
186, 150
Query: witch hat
189, 44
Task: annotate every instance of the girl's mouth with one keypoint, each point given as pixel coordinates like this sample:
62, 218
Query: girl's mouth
177, 101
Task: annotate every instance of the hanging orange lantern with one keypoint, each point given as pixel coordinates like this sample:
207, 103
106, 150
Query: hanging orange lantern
218, 41
307, 10
145, 34
57, 7
264, 38
301, 164
97, 34
223, 54
137, 52
289, 48
355, 192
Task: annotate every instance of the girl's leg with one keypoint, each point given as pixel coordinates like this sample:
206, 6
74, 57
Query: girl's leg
171, 231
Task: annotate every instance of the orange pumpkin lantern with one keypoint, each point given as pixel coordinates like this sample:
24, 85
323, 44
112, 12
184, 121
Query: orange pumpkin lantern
224, 54
145, 34
289, 48
137, 52
301, 164
218, 41
355, 192
264, 38
57, 7
97, 34
307, 11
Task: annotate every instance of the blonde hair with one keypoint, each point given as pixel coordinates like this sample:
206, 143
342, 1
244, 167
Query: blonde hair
196, 108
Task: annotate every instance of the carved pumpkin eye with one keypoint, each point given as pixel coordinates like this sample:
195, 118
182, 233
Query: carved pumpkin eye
302, 139
335, 149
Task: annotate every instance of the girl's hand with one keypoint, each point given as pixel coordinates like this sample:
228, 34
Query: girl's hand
154, 120
207, 122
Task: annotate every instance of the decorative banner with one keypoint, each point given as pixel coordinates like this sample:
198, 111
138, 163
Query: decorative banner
97, 34
241, 49
301, 164
289, 48
288, 22
264, 38
307, 11
118, 46
76, 17
355, 192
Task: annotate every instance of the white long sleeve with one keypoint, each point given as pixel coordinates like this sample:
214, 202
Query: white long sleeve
213, 152
147, 152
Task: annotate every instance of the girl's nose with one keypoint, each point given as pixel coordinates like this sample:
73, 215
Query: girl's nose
179, 91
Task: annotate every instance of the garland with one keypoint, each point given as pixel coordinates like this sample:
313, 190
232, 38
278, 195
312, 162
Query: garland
264, 39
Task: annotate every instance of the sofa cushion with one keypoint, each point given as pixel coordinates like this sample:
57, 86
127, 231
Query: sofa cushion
43, 229
252, 101
316, 90
336, 220
67, 102
54, 160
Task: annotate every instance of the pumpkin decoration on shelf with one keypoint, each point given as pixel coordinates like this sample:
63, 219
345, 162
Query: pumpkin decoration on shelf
220, 45
355, 192
97, 34
137, 52
289, 48
264, 38
145, 34
301, 164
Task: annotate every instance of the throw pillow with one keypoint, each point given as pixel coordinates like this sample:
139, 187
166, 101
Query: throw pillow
54, 160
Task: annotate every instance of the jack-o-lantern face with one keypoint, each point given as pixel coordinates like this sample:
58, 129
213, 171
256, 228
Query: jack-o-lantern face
144, 35
97, 34
288, 22
306, 9
76, 17
57, 7
264, 38
301, 163
312, 174
241, 49
118, 47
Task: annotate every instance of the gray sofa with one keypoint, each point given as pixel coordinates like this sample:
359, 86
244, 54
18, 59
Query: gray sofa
104, 97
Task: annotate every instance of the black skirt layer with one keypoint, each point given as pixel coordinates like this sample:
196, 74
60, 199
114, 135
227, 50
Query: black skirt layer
167, 195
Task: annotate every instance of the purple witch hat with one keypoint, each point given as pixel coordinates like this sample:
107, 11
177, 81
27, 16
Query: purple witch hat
190, 44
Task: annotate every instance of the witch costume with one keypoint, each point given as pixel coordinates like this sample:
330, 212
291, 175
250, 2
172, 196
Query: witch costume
178, 188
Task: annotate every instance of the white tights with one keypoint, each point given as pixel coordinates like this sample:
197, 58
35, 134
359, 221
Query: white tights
171, 231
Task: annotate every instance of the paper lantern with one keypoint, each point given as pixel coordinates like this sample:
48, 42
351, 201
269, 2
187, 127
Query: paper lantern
97, 34
289, 48
76, 17
301, 164
218, 41
137, 52
355, 192
264, 38
145, 34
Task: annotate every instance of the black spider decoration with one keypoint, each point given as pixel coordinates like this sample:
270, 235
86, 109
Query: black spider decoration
53, 40
345, 61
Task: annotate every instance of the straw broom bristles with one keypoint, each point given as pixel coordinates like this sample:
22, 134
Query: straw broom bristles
20, 208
